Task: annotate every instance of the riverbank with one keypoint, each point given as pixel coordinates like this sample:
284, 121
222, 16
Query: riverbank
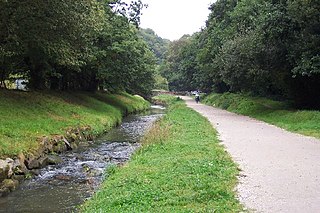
306, 122
65, 186
181, 167
28, 116
36, 125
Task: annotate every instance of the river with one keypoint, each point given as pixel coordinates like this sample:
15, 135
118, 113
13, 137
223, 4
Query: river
63, 187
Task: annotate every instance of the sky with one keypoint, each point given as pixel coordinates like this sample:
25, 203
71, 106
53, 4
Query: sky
171, 19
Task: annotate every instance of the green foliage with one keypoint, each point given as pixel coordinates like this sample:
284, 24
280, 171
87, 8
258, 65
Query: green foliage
181, 167
304, 52
157, 45
27, 116
82, 45
306, 122
161, 83
180, 66
263, 47
132, 64
159, 48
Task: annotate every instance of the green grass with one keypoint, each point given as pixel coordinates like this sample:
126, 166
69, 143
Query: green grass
27, 116
180, 168
165, 99
305, 122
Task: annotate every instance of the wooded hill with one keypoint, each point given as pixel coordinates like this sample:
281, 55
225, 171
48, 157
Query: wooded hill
157, 45
264, 47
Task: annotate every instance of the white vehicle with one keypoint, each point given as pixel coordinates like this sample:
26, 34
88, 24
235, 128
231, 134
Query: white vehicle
21, 84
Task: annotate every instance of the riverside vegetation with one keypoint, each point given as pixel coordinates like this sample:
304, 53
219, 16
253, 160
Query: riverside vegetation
181, 167
34, 126
28, 116
306, 122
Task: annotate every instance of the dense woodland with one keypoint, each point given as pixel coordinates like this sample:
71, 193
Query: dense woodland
263, 47
75, 45
159, 47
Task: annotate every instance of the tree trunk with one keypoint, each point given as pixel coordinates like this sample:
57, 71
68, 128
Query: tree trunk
37, 78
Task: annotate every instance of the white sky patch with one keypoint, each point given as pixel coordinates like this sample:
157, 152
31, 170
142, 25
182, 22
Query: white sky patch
171, 19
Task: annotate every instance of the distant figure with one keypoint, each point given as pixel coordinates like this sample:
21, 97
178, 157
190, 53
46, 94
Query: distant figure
197, 97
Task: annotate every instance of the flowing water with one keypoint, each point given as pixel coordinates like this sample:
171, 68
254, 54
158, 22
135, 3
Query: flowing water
63, 187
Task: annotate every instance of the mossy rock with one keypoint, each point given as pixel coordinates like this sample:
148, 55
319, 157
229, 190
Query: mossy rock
7, 186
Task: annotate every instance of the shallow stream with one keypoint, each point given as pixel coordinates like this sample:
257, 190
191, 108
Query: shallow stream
63, 187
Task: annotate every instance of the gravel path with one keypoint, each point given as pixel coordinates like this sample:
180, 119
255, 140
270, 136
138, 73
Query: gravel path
280, 170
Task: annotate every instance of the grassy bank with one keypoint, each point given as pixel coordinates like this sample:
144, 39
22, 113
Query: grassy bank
165, 99
305, 122
27, 116
180, 168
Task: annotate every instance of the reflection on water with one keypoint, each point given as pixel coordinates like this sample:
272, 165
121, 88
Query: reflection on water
61, 188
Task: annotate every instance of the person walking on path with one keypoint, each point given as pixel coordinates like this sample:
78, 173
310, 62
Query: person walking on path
197, 97
280, 171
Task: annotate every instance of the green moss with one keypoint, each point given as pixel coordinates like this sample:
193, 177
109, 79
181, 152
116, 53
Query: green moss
27, 116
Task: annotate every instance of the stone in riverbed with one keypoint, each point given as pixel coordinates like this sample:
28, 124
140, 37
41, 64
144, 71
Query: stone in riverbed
33, 164
11, 184
4, 191
7, 186
54, 159
19, 168
6, 168
35, 172
74, 146
18, 177
37, 163
59, 147
43, 161
11, 167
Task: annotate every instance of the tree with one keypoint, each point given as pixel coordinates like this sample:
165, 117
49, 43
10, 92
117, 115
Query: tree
304, 52
10, 51
181, 64
80, 45
155, 43
53, 35
268, 48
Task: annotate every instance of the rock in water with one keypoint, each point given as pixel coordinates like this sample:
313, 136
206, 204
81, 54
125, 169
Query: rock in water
54, 159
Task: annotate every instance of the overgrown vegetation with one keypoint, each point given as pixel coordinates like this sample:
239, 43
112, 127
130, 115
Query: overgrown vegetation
305, 122
27, 116
266, 47
180, 168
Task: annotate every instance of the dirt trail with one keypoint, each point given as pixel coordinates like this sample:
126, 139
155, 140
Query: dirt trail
280, 170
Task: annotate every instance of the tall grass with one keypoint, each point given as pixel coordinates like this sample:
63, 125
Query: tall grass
180, 168
305, 122
27, 116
